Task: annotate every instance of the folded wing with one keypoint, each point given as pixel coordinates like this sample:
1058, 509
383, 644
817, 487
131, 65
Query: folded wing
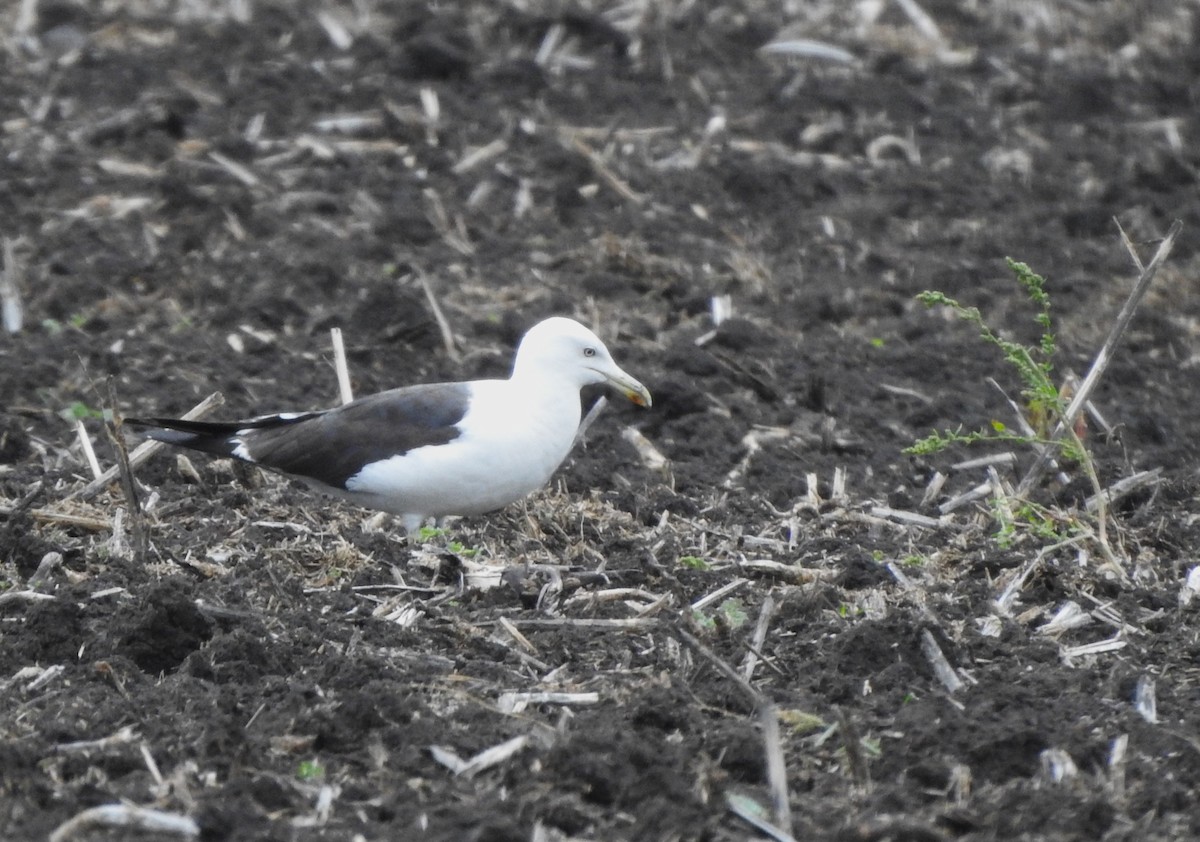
332, 445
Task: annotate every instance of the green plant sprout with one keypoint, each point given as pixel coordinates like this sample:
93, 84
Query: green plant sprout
1033, 519
1045, 404
428, 533
309, 770
76, 320
872, 747
703, 622
845, 610
730, 614
1034, 365
801, 721
78, 411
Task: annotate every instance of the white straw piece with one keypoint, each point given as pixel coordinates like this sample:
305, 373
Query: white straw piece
345, 391
10, 290
89, 452
807, 48
126, 816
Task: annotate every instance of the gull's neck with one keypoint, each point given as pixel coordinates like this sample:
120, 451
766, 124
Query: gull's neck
543, 379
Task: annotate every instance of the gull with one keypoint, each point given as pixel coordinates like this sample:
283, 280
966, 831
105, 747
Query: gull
431, 450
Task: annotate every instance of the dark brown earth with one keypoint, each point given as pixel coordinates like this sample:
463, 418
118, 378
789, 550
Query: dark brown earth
195, 193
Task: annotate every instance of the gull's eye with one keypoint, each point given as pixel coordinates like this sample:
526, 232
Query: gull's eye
589, 352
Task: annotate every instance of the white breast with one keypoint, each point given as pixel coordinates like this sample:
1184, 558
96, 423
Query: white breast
512, 439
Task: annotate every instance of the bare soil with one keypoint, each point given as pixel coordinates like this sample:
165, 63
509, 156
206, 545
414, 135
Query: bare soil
195, 193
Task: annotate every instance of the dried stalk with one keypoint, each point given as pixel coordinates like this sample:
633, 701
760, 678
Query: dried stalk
345, 391
144, 450
1088, 386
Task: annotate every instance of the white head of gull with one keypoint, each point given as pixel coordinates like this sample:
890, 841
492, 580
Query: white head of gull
433, 450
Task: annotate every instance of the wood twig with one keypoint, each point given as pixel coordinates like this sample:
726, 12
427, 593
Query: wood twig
969, 496
23, 506
239, 171
752, 695
616, 624
112, 425
590, 418
1088, 386
442, 322
777, 785
126, 816
750, 811
29, 596
852, 743
93, 524
909, 518
759, 637
144, 451
719, 594
1007, 458
937, 660
1124, 487
601, 168
89, 452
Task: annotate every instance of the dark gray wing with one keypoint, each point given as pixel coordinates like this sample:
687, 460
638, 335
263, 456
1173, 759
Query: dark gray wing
333, 445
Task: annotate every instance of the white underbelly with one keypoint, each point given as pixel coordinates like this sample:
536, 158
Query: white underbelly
502, 455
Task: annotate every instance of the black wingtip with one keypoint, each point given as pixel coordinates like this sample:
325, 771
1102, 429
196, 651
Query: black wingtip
206, 436
181, 424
